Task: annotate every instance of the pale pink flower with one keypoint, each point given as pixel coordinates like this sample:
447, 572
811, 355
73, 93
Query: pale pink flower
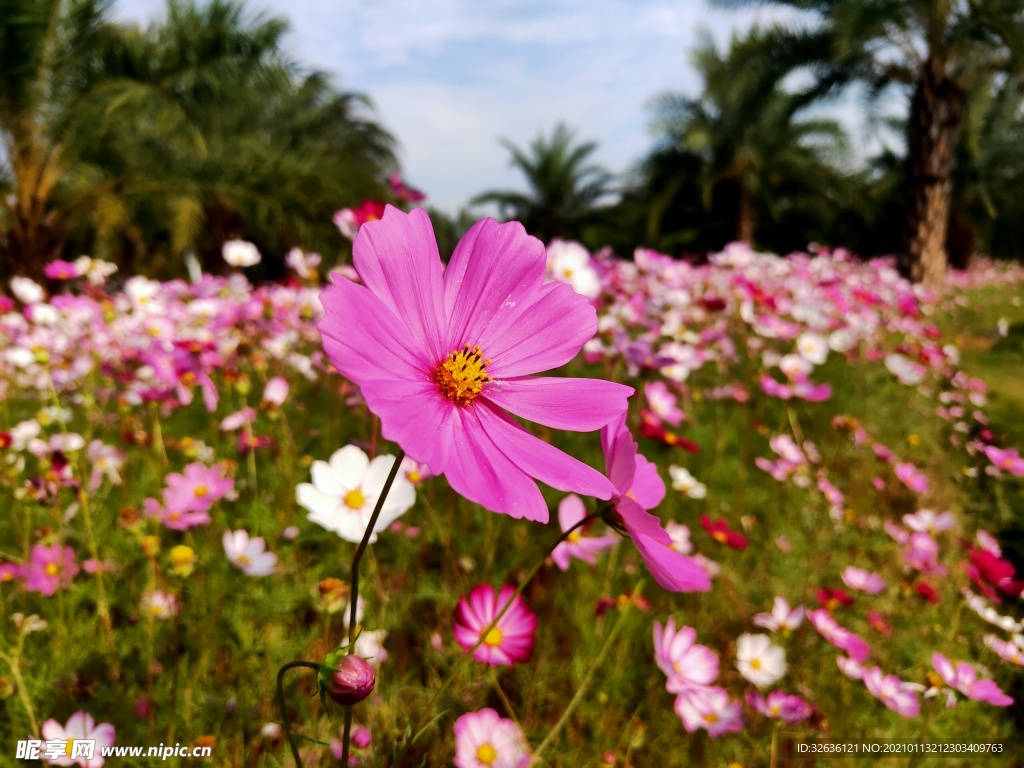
483, 739
865, 581
964, 678
927, 521
911, 477
570, 512
80, 726
685, 664
663, 403
779, 705
248, 555
892, 692
855, 646
782, 618
710, 709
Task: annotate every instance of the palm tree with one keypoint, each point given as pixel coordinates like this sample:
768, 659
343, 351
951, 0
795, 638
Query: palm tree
564, 188
750, 135
938, 50
140, 145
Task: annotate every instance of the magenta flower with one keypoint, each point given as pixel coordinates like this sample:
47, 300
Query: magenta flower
663, 403
911, 477
444, 355
779, 705
175, 519
198, 488
486, 740
570, 512
864, 581
711, 709
638, 488
855, 646
50, 568
1007, 459
9, 572
61, 270
893, 692
686, 664
922, 553
510, 641
965, 679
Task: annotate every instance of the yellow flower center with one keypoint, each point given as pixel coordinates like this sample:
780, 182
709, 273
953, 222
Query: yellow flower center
710, 717
354, 499
243, 560
720, 537
493, 638
52, 569
200, 491
414, 477
755, 663
462, 375
188, 378
486, 754
574, 537
568, 273
1007, 462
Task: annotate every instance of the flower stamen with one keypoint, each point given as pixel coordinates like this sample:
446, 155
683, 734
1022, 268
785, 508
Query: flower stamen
462, 375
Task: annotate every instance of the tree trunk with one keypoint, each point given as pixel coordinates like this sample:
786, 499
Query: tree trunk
745, 217
936, 110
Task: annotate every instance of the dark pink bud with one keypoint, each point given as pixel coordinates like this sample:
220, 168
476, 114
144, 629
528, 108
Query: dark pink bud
346, 678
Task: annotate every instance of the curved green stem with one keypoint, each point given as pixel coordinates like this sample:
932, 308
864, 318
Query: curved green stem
284, 705
354, 605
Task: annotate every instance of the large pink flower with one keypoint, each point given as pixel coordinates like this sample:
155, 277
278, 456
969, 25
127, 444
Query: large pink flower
638, 488
443, 355
50, 568
484, 739
510, 641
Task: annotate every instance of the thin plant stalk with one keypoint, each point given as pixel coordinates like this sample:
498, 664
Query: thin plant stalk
286, 721
585, 685
356, 558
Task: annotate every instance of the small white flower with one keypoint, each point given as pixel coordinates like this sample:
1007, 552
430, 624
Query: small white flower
812, 348
759, 661
28, 625
345, 490
241, 253
686, 483
569, 262
27, 291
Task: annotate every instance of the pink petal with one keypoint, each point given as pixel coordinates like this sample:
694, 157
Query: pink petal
648, 488
480, 471
365, 341
570, 511
540, 459
396, 258
494, 270
547, 333
418, 417
673, 571
582, 405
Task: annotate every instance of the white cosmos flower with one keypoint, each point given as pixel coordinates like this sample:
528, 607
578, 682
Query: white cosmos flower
27, 290
345, 490
240, 253
248, 555
759, 661
686, 483
569, 262
812, 348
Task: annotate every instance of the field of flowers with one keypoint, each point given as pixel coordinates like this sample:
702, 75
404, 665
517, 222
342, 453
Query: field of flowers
776, 505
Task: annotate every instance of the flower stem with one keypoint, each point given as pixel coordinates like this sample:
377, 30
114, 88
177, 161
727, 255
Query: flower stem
468, 654
284, 704
14, 662
354, 581
582, 690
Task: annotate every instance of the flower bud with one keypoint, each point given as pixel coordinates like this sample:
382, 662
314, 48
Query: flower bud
346, 678
183, 560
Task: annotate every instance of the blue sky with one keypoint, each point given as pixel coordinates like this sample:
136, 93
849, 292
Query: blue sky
449, 77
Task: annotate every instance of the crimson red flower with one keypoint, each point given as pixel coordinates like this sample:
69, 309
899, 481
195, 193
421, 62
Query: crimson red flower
719, 530
830, 599
925, 590
657, 432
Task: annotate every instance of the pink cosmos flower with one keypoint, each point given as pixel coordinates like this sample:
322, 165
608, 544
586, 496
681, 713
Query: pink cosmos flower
865, 581
850, 667
878, 623
922, 553
911, 477
965, 679
510, 641
486, 740
779, 705
9, 572
50, 568
570, 512
1005, 649
638, 488
782, 618
198, 488
444, 355
855, 646
893, 692
61, 270
711, 709
1007, 459
663, 403
276, 392
248, 554
926, 521
80, 725
685, 664
175, 519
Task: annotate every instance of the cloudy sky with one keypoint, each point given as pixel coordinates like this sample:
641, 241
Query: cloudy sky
450, 77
